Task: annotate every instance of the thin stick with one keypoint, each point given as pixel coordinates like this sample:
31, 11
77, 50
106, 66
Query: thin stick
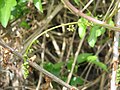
115, 53
42, 59
75, 59
63, 44
87, 5
74, 62
56, 46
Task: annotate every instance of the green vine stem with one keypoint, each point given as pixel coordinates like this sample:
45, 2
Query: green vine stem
27, 49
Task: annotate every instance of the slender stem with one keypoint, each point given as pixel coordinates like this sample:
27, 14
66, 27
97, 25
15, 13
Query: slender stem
87, 5
46, 32
108, 11
42, 61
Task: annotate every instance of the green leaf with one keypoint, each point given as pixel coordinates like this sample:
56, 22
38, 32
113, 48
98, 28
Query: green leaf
53, 68
94, 60
95, 32
69, 64
101, 65
91, 58
100, 31
83, 57
77, 2
57, 68
58, 65
38, 5
76, 81
82, 26
56, 72
93, 36
110, 22
64, 78
24, 24
5, 11
81, 30
2, 3
19, 10
76, 68
48, 66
